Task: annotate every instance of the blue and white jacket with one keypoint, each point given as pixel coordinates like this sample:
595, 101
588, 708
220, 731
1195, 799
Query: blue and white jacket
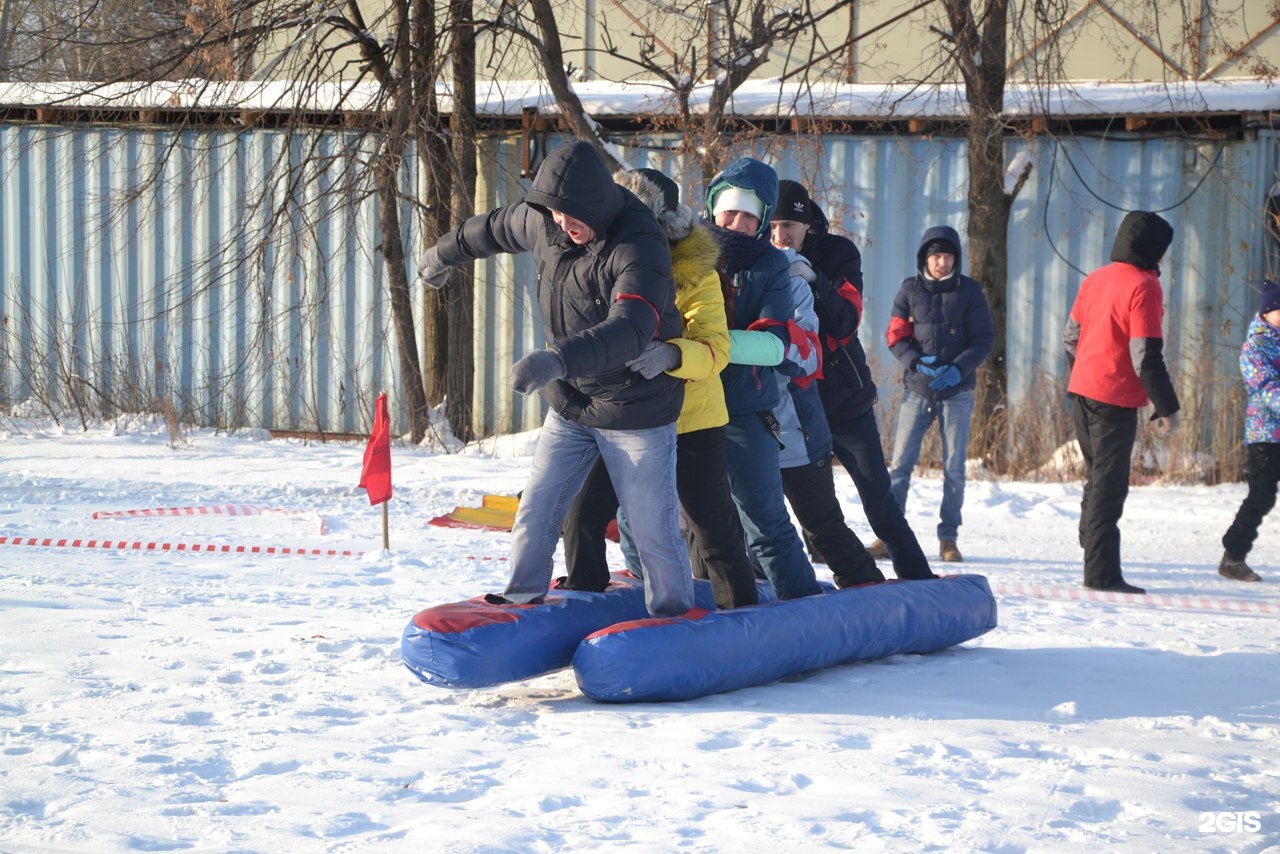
1260, 365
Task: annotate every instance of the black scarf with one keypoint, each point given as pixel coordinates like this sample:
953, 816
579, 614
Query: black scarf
738, 252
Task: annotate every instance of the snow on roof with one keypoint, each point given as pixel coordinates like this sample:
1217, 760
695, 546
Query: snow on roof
770, 98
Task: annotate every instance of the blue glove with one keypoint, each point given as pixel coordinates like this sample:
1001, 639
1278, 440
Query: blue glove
535, 370
659, 356
924, 365
945, 377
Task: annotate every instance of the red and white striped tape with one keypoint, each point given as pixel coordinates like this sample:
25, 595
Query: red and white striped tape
152, 546
1203, 603
217, 510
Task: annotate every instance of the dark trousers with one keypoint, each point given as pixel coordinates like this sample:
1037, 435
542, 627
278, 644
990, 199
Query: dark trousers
1262, 467
717, 543
1106, 434
811, 489
583, 532
858, 448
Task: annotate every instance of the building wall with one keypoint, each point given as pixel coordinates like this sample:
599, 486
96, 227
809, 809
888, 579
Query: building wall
892, 41
210, 272
177, 286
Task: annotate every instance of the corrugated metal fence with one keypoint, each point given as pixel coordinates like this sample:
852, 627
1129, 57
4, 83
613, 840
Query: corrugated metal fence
238, 275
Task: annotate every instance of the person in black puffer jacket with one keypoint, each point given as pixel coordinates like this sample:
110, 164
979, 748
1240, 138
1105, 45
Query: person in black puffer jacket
847, 391
606, 291
941, 331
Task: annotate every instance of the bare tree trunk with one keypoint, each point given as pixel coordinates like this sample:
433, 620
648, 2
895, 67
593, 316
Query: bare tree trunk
460, 375
433, 162
981, 57
388, 168
988, 263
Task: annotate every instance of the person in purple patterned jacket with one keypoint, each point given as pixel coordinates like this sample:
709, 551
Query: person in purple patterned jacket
1260, 365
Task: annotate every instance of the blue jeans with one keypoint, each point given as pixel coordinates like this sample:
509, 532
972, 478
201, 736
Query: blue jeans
914, 418
642, 466
751, 454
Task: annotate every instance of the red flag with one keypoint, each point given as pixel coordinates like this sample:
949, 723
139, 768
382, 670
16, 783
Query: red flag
375, 477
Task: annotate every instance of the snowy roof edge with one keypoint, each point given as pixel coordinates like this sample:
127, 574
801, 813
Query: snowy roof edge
755, 99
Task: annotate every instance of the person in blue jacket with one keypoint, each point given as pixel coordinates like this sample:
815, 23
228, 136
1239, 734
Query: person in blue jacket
1260, 366
764, 339
940, 330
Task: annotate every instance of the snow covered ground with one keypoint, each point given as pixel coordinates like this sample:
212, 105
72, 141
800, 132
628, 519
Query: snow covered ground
156, 701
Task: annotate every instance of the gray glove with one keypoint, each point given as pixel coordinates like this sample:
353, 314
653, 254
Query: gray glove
432, 270
802, 268
1168, 424
659, 356
535, 370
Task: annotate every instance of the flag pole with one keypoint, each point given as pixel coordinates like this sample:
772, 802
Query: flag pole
386, 546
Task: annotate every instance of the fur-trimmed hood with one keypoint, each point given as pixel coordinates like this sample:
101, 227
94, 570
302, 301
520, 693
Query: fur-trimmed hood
677, 224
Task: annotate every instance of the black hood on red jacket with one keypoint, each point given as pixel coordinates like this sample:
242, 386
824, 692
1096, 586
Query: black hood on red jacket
1142, 240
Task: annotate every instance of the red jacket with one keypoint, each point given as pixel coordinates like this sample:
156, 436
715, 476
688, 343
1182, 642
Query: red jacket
1117, 315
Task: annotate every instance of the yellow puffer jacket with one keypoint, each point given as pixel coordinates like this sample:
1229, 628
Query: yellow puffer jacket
704, 348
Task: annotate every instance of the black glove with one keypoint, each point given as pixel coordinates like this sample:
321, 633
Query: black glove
432, 270
659, 356
536, 370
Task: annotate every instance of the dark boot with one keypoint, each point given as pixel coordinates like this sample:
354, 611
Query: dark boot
1234, 567
1120, 586
949, 552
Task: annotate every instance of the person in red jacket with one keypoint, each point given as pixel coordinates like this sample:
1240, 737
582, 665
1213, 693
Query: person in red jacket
1115, 349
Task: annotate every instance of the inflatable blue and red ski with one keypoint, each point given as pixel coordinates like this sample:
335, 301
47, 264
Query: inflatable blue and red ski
474, 644
706, 653
620, 655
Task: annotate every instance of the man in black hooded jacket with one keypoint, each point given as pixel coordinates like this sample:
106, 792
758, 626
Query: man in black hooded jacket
846, 388
605, 289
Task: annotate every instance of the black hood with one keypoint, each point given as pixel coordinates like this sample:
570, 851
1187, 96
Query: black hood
574, 180
1142, 240
946, 234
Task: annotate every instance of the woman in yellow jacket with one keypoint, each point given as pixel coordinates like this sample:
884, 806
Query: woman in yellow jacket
714, 529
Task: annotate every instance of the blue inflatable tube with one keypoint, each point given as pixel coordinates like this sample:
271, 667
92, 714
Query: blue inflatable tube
473, 644
685, 657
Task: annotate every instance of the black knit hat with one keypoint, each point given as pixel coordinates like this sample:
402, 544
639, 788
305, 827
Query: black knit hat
933, 247
1270, 297
793, 202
